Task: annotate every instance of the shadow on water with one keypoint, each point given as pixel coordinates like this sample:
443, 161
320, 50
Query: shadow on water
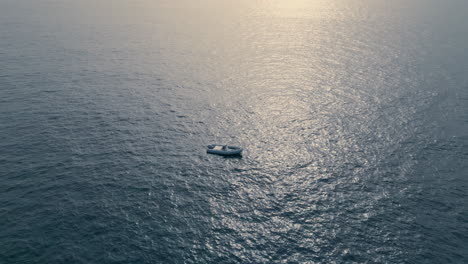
238, 156
233, 157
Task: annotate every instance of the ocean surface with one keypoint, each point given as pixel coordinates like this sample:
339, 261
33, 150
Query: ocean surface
353, 116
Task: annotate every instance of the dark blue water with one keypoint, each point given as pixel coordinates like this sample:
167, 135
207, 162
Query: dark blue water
353, 116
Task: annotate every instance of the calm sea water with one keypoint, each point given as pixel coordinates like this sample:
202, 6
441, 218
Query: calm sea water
353, 116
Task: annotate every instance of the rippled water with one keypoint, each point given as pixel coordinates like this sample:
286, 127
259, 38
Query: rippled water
353, 116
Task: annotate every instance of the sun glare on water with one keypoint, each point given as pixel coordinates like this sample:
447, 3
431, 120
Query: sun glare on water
298, 8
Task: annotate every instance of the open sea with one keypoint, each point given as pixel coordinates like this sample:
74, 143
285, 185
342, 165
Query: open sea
353, 116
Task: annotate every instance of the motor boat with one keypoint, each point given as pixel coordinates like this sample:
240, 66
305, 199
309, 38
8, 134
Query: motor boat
224, 150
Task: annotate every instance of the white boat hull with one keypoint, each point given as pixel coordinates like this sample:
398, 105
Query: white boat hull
228, 151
